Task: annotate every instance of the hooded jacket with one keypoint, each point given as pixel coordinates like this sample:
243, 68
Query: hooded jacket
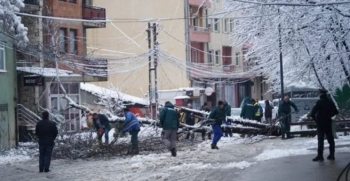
169, 117
131, 123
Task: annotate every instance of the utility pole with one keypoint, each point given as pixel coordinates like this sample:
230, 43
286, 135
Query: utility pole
150, 94
281, 57
155, 57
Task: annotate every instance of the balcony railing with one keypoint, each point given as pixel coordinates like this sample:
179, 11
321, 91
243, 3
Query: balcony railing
32, 2
96, 66
94, 13
199, 34
227, 68
200, 29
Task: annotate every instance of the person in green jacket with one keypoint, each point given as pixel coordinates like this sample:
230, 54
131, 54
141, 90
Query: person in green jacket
169, 120
284, 112
248, 109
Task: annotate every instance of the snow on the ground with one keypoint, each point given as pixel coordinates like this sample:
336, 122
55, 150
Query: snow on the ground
16, 155
196, 162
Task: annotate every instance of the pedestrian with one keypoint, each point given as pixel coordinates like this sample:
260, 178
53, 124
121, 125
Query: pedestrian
248, 109
227, 108
219, 115
169, 121
284, 113
257, 115
189, 119
268, 111
102, 126
132, 126
322, 113
206, 109
46, 131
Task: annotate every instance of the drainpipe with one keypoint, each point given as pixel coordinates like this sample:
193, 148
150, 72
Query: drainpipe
187, 37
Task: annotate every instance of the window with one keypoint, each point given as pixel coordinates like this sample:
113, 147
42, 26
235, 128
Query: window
225, 25
63, 40
210, 57
195, 56
73, 41
209, 25
231, 25
73, 1
217, 57
237, 58
216, 24
2, 59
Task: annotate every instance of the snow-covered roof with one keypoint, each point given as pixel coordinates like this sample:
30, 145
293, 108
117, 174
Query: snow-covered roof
182, 89
181, 97
47, 72
101, 91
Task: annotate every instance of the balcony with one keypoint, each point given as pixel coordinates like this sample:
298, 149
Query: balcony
96, 67
94, 13
31, 6
199, 3
228, 68
199, 34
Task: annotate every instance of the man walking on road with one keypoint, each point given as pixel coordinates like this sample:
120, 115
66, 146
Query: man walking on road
169, 120
284, 112
322, 113
219, 115
46, 131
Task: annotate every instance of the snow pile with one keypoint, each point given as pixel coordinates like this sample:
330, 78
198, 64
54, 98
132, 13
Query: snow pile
280, 153
18, 155
104, 92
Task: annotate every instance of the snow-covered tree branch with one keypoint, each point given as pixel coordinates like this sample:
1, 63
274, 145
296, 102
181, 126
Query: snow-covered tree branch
11, 23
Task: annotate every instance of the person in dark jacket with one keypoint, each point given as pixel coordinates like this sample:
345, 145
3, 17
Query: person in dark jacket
132, 126
284, 112
219, 115
46, 131
169, 120
322, 113
205, 108
227, 108
102, 126
189, 119
268, 111
248, 109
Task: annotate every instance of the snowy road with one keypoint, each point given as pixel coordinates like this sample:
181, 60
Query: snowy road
194, 163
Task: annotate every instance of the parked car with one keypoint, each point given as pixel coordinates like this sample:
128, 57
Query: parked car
236, 112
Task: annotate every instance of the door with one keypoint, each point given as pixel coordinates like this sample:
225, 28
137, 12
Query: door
4, 127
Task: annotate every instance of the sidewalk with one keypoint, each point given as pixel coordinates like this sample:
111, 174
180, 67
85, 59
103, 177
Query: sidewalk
298, 168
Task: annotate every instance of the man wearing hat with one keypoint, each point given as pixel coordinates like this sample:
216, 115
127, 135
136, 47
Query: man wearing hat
322, 113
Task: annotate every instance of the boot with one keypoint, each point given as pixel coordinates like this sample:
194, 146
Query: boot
173, 152
331, 157
213, 146
318, 159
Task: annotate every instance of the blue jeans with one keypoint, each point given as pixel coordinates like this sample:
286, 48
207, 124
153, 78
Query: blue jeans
45, 152
228, 134
106, 131
217, 133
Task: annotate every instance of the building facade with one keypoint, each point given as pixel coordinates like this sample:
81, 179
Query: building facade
199, 36
62, 41
8, 96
